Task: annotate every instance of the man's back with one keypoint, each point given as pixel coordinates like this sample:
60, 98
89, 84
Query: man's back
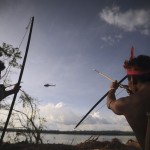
136, 114
135, 106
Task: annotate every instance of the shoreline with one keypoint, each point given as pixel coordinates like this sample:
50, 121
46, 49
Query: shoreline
81, 132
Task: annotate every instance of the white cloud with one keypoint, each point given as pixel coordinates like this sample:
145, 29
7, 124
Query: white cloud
118, 119
96, 115
61, 117
131, 20
58, 114
112, 39
96, 118
59, 105
65, 116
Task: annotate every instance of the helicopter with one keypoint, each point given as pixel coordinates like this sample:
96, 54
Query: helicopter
47, 85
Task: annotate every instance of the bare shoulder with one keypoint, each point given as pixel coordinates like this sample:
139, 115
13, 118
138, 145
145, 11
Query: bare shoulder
142, 96
122, 105
125, 101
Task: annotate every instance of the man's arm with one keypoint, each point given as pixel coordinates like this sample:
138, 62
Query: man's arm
117, 106
12, 91
111, 98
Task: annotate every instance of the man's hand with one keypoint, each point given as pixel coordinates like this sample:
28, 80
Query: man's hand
127, 89
16, 88
114, 85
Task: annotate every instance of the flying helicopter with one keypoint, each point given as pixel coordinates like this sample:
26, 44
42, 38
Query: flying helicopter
47, 85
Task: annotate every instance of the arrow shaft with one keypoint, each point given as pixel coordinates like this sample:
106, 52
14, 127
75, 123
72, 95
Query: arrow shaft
104, 75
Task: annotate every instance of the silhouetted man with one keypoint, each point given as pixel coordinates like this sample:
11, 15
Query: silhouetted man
135, 106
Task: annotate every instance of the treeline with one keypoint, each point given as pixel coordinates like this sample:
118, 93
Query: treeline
113, 132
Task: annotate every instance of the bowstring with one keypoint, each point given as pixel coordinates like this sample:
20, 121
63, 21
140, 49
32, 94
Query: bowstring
101, 107
27, 28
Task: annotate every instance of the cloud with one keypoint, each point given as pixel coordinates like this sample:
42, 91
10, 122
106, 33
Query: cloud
96, 118
59, 105
109, 122
131, 20
112, 39
61, 114
61, 117
58, 114
117, 119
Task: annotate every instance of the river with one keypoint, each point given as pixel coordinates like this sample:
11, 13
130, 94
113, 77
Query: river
70, 139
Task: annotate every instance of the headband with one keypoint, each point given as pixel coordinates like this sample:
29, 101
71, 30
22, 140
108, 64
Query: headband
134, 70
137, 72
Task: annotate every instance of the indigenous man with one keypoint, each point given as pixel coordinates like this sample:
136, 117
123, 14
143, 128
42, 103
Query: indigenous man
135, 106
4, 93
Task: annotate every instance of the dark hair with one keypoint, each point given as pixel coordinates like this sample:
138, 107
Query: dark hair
2, 66
141, 62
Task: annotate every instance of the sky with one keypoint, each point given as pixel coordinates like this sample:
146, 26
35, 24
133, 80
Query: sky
70, 38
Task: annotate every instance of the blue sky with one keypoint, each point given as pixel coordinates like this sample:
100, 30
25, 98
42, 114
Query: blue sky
71, 38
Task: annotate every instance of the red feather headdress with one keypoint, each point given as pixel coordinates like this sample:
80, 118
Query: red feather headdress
133, 70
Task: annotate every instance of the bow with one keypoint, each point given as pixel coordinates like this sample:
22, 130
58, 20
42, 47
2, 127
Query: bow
19, 81
98, 103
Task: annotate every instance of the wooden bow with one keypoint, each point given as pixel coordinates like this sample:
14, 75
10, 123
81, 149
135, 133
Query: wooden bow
98, 103
19, 81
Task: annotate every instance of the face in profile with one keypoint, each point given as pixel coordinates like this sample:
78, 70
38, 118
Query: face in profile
132, 85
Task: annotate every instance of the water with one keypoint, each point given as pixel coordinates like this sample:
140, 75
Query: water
76, 139
67, 138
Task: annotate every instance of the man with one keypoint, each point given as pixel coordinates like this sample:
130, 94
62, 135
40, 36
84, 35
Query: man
3, 92
135, 106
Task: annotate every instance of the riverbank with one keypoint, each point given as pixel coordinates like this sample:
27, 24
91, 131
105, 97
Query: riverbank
115, 144
74, 132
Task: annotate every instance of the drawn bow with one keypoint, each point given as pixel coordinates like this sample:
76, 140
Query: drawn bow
98, 103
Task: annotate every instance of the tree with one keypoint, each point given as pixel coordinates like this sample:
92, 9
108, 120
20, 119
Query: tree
30, 119
10, 56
